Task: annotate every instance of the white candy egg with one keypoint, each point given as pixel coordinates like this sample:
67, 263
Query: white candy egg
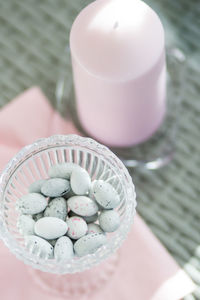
80, 181
50, 228
109, 220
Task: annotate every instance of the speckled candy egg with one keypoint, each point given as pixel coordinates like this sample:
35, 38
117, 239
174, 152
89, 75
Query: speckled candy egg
62, 170
57, 208
89, 243
77, 227
35, 187
80, 181
26, 224
63, 249
82, 206
105, 194
55, 187
31, 203
50, 228
109, 220
39, 246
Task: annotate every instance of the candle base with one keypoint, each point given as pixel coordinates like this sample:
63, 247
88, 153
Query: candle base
159, 149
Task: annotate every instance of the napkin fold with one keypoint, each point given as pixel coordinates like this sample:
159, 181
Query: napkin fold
146, 270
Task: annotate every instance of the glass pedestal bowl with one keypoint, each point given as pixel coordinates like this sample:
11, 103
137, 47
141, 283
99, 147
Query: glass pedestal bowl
32, 163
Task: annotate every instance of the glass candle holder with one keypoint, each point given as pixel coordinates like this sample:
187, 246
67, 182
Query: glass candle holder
159, 149
31, 164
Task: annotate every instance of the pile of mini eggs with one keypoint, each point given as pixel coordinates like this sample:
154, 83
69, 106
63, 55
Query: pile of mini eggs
67, 214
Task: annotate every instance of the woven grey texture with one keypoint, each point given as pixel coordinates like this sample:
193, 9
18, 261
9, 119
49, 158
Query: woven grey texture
33, 35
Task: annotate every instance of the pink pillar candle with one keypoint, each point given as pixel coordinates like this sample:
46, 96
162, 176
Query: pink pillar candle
118, 60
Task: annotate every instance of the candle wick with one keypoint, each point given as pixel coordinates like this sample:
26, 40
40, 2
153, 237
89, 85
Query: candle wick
115, 26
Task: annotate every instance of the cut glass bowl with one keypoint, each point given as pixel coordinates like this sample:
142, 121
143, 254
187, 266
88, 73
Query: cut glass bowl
32, 163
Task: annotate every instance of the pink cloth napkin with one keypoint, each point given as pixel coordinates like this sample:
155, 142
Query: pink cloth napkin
146, 270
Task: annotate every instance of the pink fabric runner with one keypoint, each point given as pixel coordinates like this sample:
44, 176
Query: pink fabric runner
146, 271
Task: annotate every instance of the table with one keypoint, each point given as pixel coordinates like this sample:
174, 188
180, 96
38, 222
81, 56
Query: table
33, 37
